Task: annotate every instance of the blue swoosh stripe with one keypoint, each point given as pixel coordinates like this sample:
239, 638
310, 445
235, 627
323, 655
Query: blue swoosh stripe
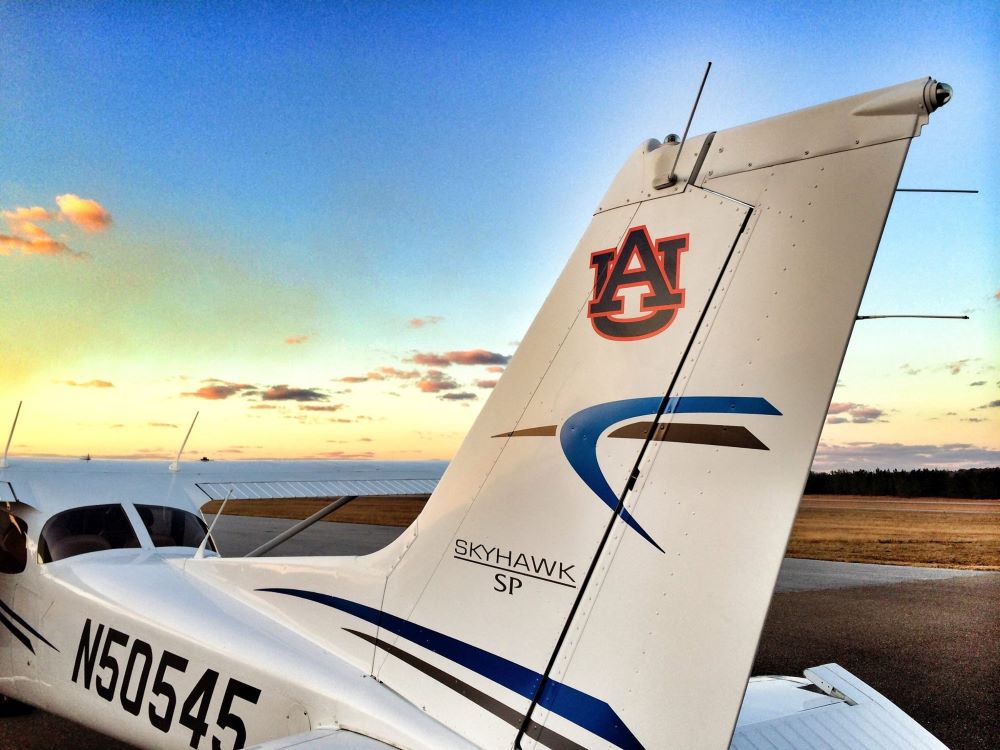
579, 434
582, 709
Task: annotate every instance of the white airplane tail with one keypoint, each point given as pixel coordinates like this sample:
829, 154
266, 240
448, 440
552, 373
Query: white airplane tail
595, 566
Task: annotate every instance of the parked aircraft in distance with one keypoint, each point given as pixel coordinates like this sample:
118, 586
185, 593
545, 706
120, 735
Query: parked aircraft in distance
592, 569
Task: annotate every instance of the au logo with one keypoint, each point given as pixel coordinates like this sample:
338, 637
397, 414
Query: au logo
639, 262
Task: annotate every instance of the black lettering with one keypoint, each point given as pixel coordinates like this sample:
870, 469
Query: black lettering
162, 687
515, 584
501, 580
474, 551
198, 700
86, 653
564, 570
143, 649
107, 689
227, 719
541, 565
461, 547
505, 557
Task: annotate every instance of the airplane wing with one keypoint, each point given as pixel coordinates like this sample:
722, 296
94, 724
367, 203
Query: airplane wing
830, 708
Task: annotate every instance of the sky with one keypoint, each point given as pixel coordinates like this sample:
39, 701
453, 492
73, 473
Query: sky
326, 227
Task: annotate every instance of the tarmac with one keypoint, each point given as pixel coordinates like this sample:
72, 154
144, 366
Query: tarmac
926, 638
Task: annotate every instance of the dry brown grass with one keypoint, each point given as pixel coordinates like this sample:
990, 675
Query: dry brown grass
936, 532
396, 510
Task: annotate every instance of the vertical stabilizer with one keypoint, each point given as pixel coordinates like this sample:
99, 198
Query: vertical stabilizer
594, 568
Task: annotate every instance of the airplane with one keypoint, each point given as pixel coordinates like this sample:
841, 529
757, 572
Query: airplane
592, 569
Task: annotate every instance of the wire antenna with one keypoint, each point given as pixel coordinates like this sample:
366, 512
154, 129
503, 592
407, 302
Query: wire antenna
3, 462
176, 465
672, 176
934, 317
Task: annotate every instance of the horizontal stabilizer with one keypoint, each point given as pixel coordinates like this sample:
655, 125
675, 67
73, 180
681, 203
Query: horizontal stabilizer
833, 710
317, 488
324, 739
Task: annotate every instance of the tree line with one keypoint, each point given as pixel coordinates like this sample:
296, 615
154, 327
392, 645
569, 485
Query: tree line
969, 483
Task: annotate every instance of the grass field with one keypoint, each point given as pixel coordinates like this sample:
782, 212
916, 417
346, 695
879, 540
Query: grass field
935, 532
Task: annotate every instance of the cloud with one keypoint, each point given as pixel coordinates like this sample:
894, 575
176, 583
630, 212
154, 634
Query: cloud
392, 372
495, 368
974, 419
436, 381
382, 373
263, 406
299, 338
25, 214
853, 413
217, 390
997, 295
38, 245
868, 455
486, 383
427, 320
86, 213
160, 424
89, 384
331, 407
284, 393
342, 455
977, 382
956, 367
468, 357
909, 370
460, 396
990, 405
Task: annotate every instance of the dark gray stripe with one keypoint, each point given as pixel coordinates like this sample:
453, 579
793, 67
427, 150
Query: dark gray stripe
546, 431
488, 703
26, 626
684, 432
16, 633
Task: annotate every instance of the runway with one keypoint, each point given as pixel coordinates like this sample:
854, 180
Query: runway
924, 637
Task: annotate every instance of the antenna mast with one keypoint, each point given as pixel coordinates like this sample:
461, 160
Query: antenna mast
176, 465
3, 461
672, 176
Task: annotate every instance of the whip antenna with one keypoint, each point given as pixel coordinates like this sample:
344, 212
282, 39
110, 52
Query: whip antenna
176, 465
671, 176
3, 462
934, 317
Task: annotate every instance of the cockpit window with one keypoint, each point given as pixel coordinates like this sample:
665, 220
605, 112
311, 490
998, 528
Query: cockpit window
80, 530
173, 527
13, 543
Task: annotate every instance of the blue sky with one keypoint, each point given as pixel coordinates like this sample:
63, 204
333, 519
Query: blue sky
277, 171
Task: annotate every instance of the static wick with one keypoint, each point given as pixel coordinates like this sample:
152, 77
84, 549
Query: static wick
934, 190
672, 176
932, 317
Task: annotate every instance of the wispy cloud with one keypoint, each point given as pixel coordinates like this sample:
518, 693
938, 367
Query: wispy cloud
467, 357
956, 367
160, 424
459, 396
867, 455
217, 390
382, 373
89, 383
427, 320
285, 393
977, 383
37, 245
486, 383
328, 407
345, 456
298, 338
436, 381
991, 405
910, 370
842, 412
